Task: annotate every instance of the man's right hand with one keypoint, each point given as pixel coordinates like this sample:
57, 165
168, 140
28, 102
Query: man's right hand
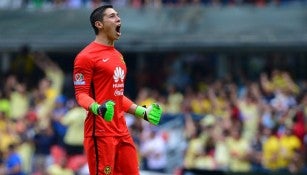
105, 110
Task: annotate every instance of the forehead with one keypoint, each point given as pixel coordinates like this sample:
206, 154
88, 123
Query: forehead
109, 11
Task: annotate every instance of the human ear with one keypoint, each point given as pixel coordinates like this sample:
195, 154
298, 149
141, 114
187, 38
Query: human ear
99, 24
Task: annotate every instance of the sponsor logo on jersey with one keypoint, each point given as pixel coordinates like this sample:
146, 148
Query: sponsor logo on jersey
119, 92
79, 79
118, 76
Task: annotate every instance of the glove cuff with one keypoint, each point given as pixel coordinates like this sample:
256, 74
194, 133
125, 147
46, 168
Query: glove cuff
94, 108
140, 111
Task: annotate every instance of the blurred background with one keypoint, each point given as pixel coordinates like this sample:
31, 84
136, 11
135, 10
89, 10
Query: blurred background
229, 74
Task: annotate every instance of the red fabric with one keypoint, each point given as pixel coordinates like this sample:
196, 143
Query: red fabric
99, 75
118, 154
127, 103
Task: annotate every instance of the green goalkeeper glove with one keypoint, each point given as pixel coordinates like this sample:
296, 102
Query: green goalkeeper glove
105, 110
152, 114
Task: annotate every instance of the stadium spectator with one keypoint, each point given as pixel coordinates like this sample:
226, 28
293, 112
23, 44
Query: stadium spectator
221, 154
174, 100
4, 104
249, 107
8, 136
255, 155
144, 97
23, 66
13, 163
271, 151
73, 120
291, 151
43, 140
239, 149
153, 150
58, 113
19, 99
201, 104
49, 87
59, 167
199, 132
25, 149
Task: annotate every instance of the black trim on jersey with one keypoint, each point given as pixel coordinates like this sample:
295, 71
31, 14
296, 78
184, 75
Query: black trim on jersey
96, 148
93, 133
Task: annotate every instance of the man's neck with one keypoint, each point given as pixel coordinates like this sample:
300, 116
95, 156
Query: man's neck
104, 41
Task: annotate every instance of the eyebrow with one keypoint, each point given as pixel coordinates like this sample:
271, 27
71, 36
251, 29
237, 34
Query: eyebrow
113, 13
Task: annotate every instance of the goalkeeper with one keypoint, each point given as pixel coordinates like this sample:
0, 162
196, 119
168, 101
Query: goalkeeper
99, 75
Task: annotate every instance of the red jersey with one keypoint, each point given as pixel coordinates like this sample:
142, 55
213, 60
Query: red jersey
99, 75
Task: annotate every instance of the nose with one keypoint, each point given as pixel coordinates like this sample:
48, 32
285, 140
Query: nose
118, 19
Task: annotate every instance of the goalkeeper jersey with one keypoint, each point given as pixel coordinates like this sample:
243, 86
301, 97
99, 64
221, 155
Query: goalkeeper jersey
99, 75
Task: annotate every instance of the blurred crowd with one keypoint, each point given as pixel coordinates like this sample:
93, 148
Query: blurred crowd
75, 4
256, 125
40, 129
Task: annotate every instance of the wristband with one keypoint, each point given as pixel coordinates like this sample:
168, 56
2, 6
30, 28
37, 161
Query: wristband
140, 111
94, 108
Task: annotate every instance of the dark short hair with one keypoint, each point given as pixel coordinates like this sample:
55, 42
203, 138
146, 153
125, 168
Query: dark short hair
97, 15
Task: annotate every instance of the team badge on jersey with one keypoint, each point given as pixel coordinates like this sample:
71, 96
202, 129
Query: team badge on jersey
79, 79
107, 170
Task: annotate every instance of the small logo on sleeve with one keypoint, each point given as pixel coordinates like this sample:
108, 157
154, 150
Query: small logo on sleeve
79, 79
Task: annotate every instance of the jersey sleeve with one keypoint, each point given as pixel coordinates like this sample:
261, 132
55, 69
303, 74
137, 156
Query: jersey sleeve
127, 103
82, 76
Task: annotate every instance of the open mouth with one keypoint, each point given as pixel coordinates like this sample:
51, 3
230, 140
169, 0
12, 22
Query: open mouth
117, 29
